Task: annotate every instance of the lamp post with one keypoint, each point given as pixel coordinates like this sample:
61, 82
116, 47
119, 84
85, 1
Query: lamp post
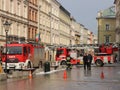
51, 35
51, 32
6, 26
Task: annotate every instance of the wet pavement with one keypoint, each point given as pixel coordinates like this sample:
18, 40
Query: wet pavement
99, 78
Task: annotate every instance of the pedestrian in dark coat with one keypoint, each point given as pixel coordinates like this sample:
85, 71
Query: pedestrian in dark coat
85, 61
89, 60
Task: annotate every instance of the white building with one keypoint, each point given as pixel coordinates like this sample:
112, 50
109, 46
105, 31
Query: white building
15, 12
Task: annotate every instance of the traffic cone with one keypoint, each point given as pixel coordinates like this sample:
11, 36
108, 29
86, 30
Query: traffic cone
65, 75
102, 75
30, 75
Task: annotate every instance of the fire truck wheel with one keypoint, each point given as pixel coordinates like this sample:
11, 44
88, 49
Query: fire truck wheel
99, 63
7, 71
63, 63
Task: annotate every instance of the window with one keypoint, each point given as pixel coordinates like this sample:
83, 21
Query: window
59, 52
14, 50
107, 39
25, 50
32, 18
30, 12
35, 16
29, 50
18, 8
17, 31
107, 27
3, 4
29, 33
25, 10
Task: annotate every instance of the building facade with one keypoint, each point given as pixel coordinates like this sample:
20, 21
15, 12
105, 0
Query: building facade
72, 31
64, 26
82, 35
95, 39
54, 17
85, 36
12, 11
106, 25
32, 19
117, 4
44, 22
48, 18
77, 33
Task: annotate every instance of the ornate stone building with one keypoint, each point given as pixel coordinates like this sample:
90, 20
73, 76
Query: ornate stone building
12, 11
54, 17
106, 25
48, 25
85, 36
64, 26
44, 21
72, 31
33, 19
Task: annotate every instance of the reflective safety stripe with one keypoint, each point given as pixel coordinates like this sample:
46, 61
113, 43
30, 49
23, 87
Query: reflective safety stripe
112, 60
68, 62
105, 59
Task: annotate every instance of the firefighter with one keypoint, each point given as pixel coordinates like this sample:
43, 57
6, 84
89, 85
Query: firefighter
68, 61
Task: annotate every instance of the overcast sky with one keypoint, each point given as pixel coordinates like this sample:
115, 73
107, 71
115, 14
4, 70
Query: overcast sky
85, 11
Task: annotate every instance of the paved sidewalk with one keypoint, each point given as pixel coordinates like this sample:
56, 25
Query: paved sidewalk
3, 76
25, 74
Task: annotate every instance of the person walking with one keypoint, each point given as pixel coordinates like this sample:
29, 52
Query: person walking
85, 61
89, 60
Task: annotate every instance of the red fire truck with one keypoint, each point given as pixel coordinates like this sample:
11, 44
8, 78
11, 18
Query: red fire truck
107, 54
102, 54
102, 58
23, 55
63, 52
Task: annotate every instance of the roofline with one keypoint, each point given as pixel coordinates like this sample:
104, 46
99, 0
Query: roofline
105, 17
115, 1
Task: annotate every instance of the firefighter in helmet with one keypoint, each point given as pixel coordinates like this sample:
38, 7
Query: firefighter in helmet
68, 61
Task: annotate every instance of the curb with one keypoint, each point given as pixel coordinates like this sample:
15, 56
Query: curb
25, 74
18, 74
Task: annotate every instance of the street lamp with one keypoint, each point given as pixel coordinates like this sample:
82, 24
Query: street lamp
6, 26
51, 34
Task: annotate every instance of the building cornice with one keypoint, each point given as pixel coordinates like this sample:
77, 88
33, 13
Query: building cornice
63, 9
106, 18
13, 17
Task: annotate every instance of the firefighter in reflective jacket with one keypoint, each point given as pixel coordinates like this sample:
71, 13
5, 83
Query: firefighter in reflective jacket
68, 61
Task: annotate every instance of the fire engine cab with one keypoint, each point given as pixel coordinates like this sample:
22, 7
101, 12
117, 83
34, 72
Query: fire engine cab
22, 55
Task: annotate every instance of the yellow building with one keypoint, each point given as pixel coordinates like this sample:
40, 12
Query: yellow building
106, 25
